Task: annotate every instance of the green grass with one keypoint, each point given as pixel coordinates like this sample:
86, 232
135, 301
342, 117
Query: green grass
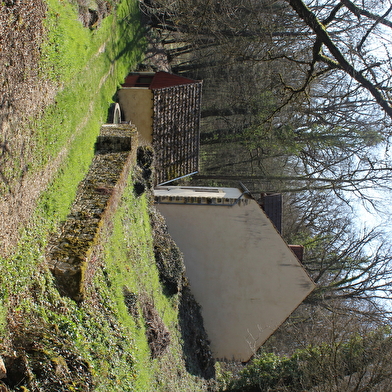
125, 260
69, 45
67, 346
90, 78
130, 264
87, 81
101, 332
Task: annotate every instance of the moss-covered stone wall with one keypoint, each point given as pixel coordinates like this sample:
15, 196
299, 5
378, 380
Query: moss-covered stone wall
97, 197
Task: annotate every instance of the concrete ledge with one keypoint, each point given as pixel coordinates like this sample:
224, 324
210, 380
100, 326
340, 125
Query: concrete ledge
114, 137
98, 194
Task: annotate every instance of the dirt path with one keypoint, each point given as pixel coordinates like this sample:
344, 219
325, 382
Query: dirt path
23, 95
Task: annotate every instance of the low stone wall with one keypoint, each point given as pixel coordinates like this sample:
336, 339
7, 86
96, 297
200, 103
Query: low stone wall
97, 198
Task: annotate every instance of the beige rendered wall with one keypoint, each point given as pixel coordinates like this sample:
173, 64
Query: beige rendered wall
137, 106
241, 272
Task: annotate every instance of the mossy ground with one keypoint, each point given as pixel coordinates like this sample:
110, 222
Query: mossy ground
110, 341
50, 342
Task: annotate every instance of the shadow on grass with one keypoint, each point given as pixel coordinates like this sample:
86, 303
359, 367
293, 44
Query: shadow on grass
130, 26
197, 353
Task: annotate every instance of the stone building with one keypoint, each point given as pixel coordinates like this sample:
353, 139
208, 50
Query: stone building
166, 111
241, 271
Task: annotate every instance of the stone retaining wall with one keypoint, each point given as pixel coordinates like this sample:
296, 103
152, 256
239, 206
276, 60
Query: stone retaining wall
97, 198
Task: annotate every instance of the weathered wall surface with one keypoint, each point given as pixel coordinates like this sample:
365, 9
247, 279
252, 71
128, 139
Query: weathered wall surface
241, 271
137, 107
97, 197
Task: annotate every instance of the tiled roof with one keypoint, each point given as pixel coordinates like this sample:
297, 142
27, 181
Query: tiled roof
156, 81
176, 122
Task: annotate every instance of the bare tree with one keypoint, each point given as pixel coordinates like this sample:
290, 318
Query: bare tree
353, 40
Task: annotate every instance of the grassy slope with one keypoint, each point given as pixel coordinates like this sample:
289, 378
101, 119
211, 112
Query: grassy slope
50, 343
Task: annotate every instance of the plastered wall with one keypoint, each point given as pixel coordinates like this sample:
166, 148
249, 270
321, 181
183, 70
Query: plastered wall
241, 272
137, 107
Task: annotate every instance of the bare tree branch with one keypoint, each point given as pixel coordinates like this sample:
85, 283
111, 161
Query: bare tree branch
316, 25
361, 11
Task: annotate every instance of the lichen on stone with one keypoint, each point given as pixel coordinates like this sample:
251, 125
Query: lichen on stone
97, 197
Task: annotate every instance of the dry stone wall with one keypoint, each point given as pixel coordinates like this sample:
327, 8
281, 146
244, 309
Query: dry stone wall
97, 197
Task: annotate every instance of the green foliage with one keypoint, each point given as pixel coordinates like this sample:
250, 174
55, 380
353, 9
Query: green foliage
100, 342
315, 365
267, 371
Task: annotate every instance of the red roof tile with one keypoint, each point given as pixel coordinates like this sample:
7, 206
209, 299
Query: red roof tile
159, 80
